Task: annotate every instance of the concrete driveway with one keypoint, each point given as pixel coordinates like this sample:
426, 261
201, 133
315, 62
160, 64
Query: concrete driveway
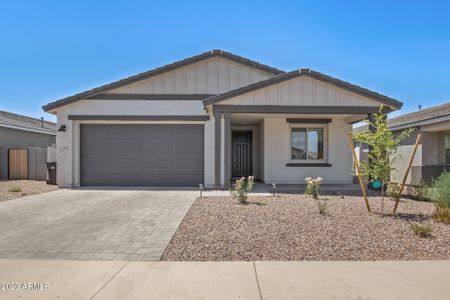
81, 224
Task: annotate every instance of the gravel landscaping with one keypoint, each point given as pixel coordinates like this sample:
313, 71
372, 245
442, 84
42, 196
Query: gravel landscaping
23, 188
289, 227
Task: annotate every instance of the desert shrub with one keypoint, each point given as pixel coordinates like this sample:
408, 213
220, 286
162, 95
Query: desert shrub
313, 186
422, 230
420, 191
243, 187
442, 214
15, 189
440, 195
312, 189
393, 190
440, 190
323, 208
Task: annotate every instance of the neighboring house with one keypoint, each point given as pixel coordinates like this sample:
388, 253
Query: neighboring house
23, 146
433, 153
208, 119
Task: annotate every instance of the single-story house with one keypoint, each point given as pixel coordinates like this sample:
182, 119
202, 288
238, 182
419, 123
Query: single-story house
433, 153
207, 119
23, 146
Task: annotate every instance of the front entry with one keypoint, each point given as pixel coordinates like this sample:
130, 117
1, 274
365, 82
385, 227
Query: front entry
241, 153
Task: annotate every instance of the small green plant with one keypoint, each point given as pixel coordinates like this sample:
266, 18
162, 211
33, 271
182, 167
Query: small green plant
422, 230
421, 191
243, 187
313, 186
15, 189
442, 214
440, 195
393, 190
383, 145
312, 189
323, 207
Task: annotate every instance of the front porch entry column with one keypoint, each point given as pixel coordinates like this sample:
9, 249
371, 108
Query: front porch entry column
217, 146
227, 148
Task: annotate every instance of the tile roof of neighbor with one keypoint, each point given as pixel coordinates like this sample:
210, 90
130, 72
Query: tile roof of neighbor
159, 70
8, 119
421, 117
309, 73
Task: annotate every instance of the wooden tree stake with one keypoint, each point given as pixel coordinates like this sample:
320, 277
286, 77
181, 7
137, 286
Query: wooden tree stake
419, 136
361, 181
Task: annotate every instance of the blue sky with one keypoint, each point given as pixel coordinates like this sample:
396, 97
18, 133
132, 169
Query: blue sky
52, 49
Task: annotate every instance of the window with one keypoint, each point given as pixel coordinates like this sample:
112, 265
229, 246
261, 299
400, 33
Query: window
307, 143
447, 147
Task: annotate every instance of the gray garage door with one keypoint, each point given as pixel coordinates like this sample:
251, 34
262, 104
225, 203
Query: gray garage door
138, 155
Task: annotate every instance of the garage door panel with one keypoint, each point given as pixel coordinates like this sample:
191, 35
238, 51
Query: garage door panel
189, 133
158, 147
158, 163
119, 161
98, 146
98, 161
190, 164
141, 180
142, 154
188, 147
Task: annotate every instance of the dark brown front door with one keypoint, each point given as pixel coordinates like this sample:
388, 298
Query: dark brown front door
242, 153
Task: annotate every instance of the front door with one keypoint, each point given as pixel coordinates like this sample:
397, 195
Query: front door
241, 153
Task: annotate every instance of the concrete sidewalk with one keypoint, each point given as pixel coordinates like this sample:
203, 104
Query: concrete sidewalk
227, 280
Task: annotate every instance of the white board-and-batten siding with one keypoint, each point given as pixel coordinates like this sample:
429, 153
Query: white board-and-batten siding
301, 91
210, 76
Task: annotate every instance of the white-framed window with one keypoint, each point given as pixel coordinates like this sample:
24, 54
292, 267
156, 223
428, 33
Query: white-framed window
447, 148
308, 143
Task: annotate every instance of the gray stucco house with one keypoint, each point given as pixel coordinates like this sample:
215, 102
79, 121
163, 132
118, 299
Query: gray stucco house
30, 135
433, 154
207, 119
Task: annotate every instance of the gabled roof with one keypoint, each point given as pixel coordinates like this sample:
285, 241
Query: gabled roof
20, 122
309, 73
421, 117
158, 71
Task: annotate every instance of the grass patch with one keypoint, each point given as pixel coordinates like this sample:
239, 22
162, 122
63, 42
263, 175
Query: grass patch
15, 189
422, 230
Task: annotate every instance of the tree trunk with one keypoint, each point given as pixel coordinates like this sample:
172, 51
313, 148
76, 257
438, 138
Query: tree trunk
382, 196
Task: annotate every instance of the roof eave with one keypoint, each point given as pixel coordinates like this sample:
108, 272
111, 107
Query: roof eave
49, 132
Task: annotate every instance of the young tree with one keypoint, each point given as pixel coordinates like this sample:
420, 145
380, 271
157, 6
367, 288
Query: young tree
383, 145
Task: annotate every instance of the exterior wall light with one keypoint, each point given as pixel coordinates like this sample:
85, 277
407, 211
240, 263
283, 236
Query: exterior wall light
62, 128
